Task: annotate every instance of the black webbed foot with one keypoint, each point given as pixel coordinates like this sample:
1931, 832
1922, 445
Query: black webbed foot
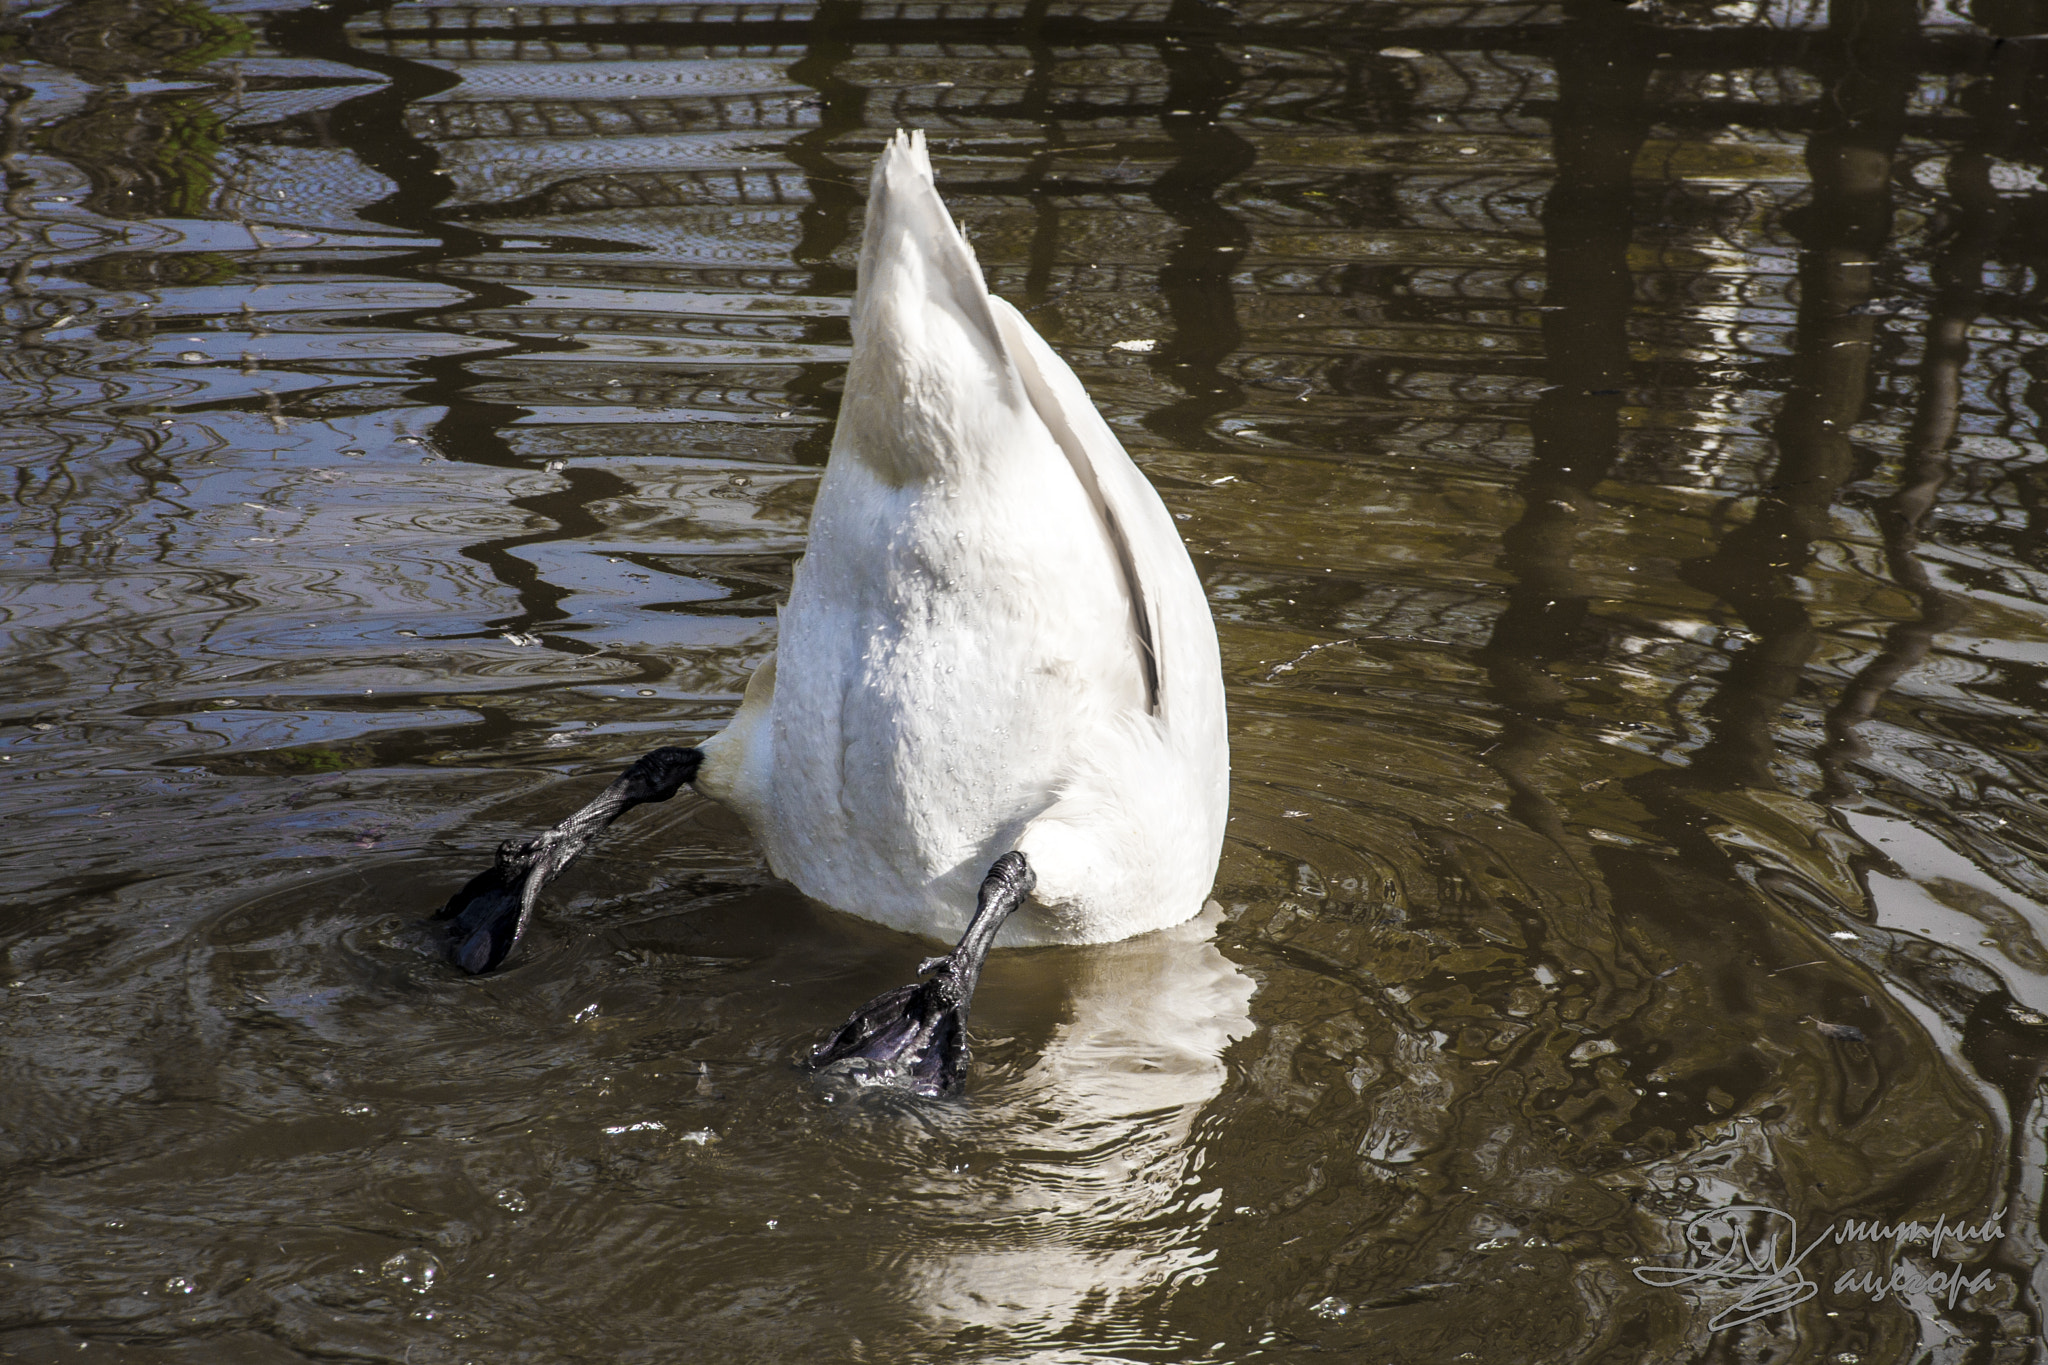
490, 913
916, 1036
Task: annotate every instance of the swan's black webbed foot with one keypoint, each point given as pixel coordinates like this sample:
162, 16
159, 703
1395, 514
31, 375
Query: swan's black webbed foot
489, 915
916, 1036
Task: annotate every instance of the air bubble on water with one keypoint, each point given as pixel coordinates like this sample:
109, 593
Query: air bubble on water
352, 452
179, 1284
414, 1270
192, 357
511, 1200
358, 1109
1331, 1308
584, 1015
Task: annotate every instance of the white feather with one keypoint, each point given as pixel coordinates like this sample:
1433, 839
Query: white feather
995, 641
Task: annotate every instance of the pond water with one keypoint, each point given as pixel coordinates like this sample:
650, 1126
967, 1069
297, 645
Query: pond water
1612, 441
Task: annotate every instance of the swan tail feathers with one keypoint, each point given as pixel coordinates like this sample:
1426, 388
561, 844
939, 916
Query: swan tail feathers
913, 252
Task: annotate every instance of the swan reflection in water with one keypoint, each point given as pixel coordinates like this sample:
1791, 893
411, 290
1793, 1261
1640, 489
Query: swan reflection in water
1089, 1202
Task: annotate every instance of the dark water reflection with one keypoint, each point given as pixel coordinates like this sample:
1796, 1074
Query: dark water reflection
1611, 437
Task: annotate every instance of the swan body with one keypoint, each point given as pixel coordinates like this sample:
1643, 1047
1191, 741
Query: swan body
995, 641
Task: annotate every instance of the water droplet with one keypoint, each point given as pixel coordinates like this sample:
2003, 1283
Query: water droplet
414, 1270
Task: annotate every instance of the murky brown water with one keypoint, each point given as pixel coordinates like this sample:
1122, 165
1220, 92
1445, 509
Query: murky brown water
1612, 439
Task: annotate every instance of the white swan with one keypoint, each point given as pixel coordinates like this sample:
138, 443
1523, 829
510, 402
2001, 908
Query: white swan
997, 686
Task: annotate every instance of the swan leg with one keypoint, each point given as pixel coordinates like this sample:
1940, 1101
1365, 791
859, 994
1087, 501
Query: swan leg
491, 912
919, 1032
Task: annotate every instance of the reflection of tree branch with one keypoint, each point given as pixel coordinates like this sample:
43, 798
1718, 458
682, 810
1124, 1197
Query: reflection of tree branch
1926, 470
837, 195
1196, 279
1959, 291
1842, 231
1597, 132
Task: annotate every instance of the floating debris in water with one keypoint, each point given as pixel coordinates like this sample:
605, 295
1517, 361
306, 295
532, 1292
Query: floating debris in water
1841, 1033
1140, 346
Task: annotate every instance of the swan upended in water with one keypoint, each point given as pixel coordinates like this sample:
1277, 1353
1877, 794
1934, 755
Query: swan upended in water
997, 686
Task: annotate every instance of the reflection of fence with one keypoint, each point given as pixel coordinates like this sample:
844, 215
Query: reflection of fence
1375, 271
1391, 198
